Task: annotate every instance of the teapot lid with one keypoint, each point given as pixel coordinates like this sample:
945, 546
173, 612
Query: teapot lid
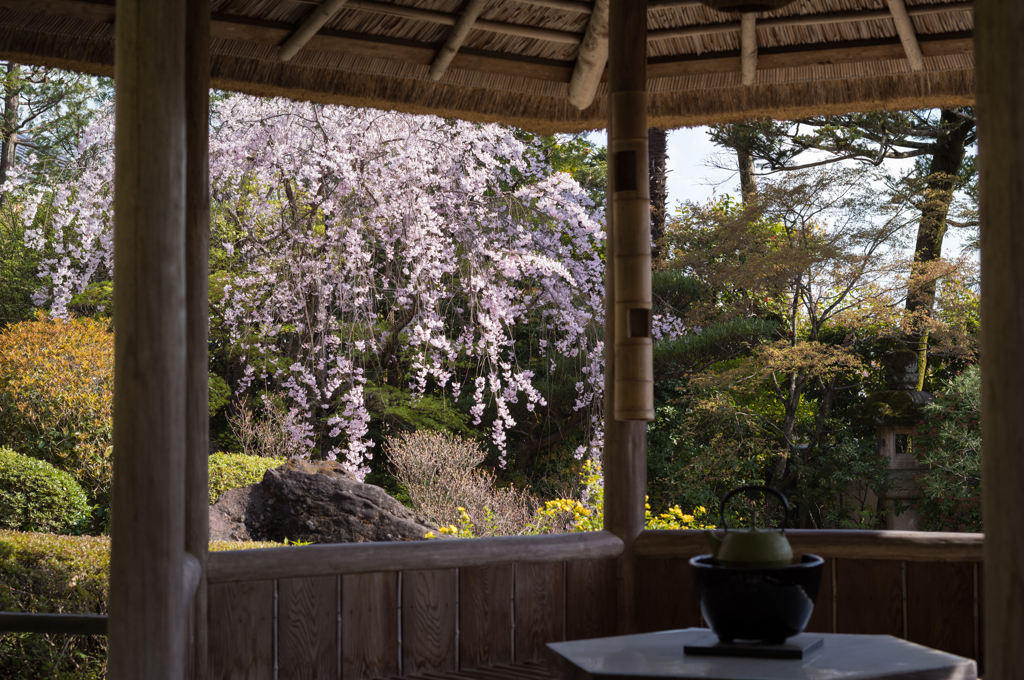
768, 489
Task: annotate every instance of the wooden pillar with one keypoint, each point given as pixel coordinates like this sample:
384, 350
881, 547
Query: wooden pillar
999, 25
627, 282
146, 625
197, 317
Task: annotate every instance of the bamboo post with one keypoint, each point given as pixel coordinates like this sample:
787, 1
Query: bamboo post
197, 318
146, 631
627, 294
999, 25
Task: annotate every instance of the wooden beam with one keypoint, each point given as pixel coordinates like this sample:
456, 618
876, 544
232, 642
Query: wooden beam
197, 323
53, 624
319, 16
911, 546
470, 12
999, 26
591, 60
907, 33
363, 558
748, 48
146, 628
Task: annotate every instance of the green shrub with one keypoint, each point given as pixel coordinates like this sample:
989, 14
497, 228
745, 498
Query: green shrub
45, 573
56, 397
35, 496
949, 442
48, 574
232, 470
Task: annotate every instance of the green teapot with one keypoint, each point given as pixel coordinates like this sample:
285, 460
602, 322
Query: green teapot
754, 547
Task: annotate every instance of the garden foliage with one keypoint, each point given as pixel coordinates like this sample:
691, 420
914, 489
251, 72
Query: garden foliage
234, 470
48, 574
56, 397
35, 496
439, 472
43, 573
949, 442
357, 249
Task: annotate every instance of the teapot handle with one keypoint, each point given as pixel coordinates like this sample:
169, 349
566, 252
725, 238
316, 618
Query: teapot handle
782, 497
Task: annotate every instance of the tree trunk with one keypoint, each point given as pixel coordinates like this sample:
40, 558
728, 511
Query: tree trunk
9, 125
748, 183
657, 153
939, 186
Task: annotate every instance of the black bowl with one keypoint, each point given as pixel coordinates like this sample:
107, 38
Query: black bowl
768, 604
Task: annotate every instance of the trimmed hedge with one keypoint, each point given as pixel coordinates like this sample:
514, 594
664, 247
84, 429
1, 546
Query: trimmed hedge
47, 574
233, 470
35, 496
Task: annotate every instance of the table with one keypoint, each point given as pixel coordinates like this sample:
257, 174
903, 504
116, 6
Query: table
841, 657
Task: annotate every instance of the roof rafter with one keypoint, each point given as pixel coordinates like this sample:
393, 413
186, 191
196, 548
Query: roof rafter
457, 36
316, 19
907, 33
591, 60
748, 48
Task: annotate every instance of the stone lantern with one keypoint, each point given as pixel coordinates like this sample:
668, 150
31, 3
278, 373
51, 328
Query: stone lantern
895, 412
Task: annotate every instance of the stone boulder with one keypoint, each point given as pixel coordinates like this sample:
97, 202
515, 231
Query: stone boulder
316, 502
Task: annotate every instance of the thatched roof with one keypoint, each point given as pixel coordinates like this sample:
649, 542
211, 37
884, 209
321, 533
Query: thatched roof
515, 65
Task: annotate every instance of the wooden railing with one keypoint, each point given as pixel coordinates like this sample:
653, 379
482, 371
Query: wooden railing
387, 609
922, 586
384, 609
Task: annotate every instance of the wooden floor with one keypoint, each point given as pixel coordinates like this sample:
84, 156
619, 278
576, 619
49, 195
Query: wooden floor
532, 670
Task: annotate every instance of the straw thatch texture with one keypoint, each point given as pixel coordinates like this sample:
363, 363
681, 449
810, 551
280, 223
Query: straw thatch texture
815, 56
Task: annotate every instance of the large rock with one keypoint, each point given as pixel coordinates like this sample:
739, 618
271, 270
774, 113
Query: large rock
317, 502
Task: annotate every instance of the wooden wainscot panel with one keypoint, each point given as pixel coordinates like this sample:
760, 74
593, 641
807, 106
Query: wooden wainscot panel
241, 629
589, 599
821, 619
428, 621
665, 598
940, 606
869, 597
307, 628
539, 608
485, 616
369, 626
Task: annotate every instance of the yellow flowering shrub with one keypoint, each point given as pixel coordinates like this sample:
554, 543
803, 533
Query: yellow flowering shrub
569, 515
56, 396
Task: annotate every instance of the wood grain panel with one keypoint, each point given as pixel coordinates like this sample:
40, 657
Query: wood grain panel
940, 606
869, 597
369, 626
307, 628
980, 621
485, 616
428, 620
665, 596
821, 619
589, 599
241, 630
539, 609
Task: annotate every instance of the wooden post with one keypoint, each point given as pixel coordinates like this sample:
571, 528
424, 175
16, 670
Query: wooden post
146, 625
197, 317
999, 25
625, 447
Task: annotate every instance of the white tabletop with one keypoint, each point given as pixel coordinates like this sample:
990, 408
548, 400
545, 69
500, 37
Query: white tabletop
660, 655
